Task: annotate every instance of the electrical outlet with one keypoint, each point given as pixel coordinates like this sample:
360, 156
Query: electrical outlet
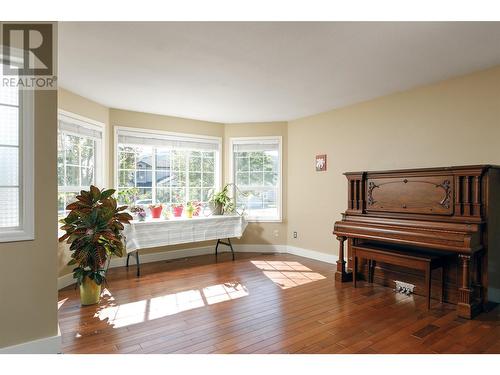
294, 234
276, 233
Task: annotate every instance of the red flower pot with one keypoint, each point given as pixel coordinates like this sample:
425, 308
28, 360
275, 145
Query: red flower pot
178, 211
156, 212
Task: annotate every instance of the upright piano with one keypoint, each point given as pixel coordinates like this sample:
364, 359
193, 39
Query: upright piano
454, 211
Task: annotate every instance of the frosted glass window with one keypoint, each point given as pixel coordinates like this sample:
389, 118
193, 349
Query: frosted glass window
9, 95
9, 129
16, 163
9, 166
9, 207
9, 158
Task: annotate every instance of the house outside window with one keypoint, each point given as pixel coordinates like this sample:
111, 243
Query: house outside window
169, 168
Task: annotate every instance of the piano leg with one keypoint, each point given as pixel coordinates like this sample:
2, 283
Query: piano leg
341, 275
466, 307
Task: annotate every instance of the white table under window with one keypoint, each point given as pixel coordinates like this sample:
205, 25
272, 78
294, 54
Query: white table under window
161, 232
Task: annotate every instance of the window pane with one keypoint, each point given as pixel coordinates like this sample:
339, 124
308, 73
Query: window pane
72, 176
145, 196
178, 195
178, 179
195, 164
163, 178
144, 178
242, 164
195, 194
162, 195
145, 160
256, 179
87, 177
270, 179
255, 161
242, 179
208, 179
205, 194
87, 155
60, 174
256, 174
127, 160
71, 147
162, 159
9, 125
9, 207
208, 164
127, 179
9, 166
194, 179
9, 95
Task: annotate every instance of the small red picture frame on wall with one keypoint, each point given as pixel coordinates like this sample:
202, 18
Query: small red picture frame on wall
320, 163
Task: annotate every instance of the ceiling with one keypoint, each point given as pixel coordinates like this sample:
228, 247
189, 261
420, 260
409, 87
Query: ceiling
233, 72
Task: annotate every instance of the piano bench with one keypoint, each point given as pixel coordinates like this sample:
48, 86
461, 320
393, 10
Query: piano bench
395, 255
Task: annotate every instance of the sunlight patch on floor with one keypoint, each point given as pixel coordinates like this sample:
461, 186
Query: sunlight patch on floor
121, 315
287, 274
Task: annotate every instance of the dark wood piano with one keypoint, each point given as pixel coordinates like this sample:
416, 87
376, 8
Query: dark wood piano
454, 211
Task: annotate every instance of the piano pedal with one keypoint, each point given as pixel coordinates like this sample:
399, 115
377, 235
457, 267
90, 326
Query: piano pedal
404, 288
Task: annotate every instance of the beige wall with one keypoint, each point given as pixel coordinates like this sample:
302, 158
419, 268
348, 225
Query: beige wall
454, 122
261, 233
28, 291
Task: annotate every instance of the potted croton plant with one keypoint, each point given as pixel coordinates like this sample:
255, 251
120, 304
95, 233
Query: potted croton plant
93, 231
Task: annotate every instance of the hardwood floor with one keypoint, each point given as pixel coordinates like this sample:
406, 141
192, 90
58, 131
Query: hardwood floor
262, 303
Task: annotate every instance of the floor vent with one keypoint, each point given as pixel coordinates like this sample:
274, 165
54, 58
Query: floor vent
404, 288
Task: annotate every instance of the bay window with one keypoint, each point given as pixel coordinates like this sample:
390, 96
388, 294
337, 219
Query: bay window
79, 157
160, 167
256, 172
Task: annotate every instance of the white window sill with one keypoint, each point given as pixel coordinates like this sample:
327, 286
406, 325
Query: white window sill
16, 235
262, 220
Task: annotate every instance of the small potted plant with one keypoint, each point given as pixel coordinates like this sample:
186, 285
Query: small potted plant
156, 210
138, 212
93, 230
177, 209
222, 201
192, 209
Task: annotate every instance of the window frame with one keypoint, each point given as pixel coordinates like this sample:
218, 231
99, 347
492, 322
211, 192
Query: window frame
100, 149
236, 140
175, 135
26, 164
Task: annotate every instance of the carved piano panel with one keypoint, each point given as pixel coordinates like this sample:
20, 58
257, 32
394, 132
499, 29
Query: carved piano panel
444, 209
420, 195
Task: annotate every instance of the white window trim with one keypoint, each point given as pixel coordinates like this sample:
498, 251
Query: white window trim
234, 140
101, 165
117, 128
26, 229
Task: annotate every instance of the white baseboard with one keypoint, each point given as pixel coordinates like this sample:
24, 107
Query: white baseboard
494, 294
46, 345
264, 248
67, 279
312, 254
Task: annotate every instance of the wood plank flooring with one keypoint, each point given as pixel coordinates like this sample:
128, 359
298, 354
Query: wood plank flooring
262, 303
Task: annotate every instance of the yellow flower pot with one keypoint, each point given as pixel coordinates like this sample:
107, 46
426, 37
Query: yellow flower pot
189, 214
90, 292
